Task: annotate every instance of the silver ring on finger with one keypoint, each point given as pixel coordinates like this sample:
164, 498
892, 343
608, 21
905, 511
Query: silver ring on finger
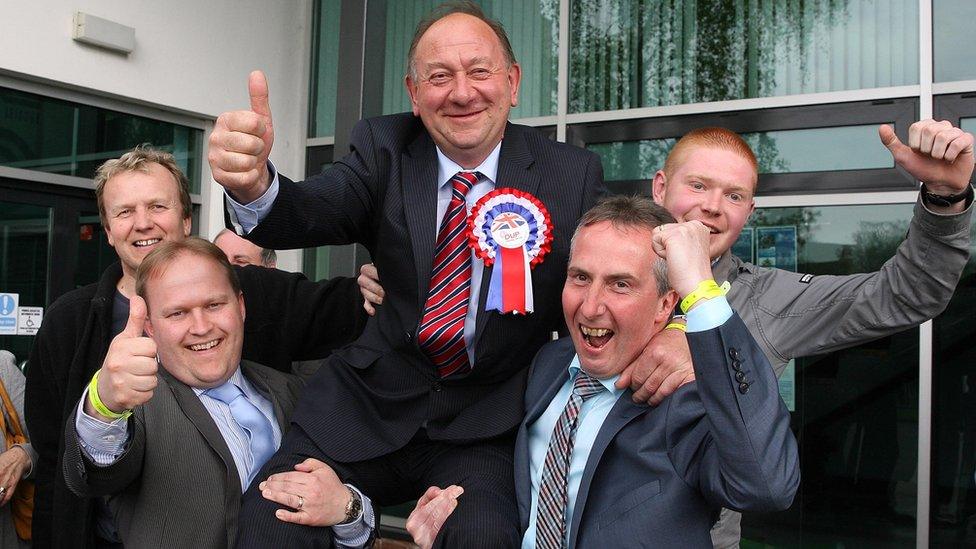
301, 503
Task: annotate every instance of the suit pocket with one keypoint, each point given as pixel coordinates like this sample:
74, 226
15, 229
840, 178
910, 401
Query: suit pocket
358, 356
629, 502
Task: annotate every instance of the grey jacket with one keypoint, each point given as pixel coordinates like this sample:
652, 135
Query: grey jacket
793, 315
176, 484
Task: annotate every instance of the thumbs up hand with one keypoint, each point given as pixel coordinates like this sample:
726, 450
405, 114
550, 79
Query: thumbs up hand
937, 153
240, 144
128, 374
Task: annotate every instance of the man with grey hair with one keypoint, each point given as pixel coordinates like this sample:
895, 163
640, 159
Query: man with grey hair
143, 200
242, 252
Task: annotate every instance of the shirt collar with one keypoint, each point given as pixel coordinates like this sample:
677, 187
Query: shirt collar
237, 379
446, 168
608, 383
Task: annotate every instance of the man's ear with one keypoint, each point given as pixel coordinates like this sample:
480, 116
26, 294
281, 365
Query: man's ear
657, 187
412, 92
514, 80
666, 306
148, 327
240, 301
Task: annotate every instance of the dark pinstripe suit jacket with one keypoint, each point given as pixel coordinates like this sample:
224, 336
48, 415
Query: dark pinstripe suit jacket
375, 394
176, 485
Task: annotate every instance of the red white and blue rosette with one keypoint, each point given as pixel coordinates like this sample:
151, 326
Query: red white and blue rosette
512, 230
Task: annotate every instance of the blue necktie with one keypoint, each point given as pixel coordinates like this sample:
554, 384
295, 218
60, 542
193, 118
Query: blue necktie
255, 424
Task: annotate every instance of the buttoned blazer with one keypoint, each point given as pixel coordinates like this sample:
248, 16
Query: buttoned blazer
176, 484
657, 477
375, 394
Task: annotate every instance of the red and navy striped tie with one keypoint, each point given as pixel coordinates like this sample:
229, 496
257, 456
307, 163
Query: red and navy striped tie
550, 525
441, 334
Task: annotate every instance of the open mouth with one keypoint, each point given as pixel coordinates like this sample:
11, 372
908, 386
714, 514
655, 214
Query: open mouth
146, 242
206, 346
595, 337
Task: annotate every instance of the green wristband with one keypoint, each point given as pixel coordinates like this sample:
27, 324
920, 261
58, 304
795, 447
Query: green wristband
100, 406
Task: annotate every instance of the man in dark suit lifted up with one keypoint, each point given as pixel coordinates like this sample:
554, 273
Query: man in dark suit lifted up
432, 392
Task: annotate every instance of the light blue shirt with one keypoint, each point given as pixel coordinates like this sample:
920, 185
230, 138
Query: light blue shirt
705, 316
105, 443
247, 216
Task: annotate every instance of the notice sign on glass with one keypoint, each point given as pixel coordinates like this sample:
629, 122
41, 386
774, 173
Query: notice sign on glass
8, 313
776, 247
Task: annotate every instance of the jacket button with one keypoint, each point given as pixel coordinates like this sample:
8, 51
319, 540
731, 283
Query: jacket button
740, 376
436, 387
743, 388
736, 364
408, 337
733, 353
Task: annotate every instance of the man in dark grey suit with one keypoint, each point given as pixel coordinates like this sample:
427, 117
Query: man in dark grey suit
175, 447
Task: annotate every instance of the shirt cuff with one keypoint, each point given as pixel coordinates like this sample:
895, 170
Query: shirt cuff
245, 217
709, 314
103, 442
357, 532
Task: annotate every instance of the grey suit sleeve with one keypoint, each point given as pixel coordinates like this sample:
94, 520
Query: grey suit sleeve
86, 478
739, 453
833, 312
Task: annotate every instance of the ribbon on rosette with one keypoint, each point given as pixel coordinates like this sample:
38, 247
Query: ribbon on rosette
511, 230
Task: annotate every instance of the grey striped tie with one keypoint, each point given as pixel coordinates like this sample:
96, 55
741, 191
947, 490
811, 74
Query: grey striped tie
550, 524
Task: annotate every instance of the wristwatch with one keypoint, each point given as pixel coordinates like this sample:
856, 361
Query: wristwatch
355, 506
943, 200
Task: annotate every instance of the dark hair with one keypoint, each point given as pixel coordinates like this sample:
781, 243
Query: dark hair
630, 212
158, 260
450, 8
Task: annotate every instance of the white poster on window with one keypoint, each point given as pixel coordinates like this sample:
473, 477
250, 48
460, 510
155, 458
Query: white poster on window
29, 320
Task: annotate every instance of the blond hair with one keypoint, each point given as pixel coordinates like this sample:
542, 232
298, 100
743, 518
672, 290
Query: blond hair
140, 159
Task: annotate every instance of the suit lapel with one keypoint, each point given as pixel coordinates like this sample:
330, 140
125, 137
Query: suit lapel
259, 380
514, 164
420, 204
194, 410
623, 411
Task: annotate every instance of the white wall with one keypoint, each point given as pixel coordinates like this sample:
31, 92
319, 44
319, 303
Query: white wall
191, 56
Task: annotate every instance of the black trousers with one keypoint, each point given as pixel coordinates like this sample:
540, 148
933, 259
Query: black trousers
486, 515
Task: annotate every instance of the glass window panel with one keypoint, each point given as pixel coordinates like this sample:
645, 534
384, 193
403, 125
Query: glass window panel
50, 135
855, 411
25, 230
785, 151
968, 124
953, 511
644, 53
325, 63
954, 41
532, 28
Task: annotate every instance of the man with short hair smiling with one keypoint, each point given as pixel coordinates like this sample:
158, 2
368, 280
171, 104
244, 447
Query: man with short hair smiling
143, 200
182, 442
242, 252
593, 468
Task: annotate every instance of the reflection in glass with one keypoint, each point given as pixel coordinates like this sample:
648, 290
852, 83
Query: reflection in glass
94, 252
532, 28
785, 151
644, 53
968, 124
953, 39
953, 511
24, 234
856, 411
50, 135
325, 63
